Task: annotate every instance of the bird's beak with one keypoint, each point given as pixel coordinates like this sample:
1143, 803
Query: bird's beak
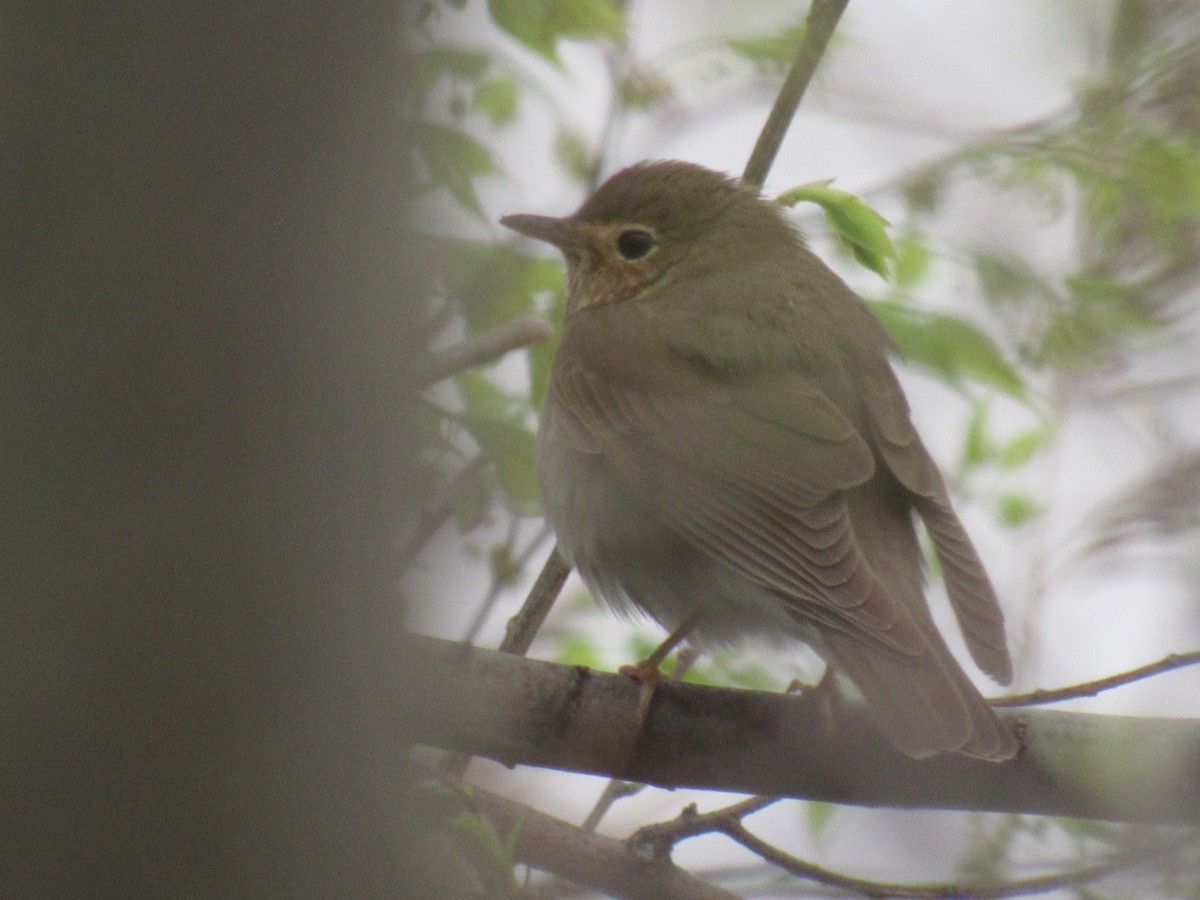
565, 234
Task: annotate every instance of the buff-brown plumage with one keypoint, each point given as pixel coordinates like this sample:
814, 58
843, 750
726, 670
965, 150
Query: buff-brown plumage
724, 438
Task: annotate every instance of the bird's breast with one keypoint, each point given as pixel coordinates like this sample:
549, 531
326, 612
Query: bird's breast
578, 489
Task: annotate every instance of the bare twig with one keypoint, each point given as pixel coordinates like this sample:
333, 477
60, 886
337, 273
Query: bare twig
435, 517
523, 627
1013, 887
822, 20
579, 856
1016, 887
618, 64
486, 348
499, 583
660, 838
615, 790
1092, 688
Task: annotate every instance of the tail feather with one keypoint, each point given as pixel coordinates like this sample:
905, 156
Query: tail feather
972, 596
924, 705
923, 700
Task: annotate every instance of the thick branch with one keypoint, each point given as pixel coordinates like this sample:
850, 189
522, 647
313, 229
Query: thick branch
536, 713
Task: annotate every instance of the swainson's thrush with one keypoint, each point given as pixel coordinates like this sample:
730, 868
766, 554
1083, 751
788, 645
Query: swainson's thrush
724, 441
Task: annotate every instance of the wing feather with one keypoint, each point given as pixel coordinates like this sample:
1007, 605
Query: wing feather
769, 504
972, 596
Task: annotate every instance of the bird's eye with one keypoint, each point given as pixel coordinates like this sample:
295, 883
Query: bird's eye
635, 243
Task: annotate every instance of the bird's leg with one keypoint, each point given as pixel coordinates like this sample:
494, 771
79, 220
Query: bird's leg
648, 672
825, 693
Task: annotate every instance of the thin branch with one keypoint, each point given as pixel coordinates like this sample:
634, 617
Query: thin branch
1092, 688
614, 790
618, 64
486, 348
1012, 888
660, 837
499, 582
606, 864
435, 517
822, 20
523, 627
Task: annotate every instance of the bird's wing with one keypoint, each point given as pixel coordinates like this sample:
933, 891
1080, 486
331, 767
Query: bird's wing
750, 469
971, 593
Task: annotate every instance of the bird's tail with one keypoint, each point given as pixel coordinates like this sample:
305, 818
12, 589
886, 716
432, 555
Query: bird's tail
924, 704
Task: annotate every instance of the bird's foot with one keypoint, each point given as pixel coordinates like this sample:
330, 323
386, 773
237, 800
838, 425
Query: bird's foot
649, 673
825, 695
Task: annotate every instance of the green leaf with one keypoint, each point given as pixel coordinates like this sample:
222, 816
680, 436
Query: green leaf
497, 422
541, 24
948, 346
497, 99
473, 501
861, 228
977, 448
1006, 278
1090, 829
456, 62
494, 283
540, 357
724, 670
820, 814
1100, 312
769, 52
913, 259
751, 677
453, 160
578, 651
573, 154
923, 193
1025, 446
1016, 509
505, 569
491, 857
644, 90
1164, 174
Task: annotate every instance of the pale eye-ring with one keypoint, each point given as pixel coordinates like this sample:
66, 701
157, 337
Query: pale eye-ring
635, 243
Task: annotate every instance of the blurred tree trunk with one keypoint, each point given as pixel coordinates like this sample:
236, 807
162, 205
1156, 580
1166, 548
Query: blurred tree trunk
203, 380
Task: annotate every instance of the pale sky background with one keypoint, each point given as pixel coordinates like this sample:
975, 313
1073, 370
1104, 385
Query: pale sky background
908, 81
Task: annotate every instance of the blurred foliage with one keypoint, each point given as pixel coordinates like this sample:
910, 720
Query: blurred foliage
498, 421
541, 24
770, 52
949, 346
475, 838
